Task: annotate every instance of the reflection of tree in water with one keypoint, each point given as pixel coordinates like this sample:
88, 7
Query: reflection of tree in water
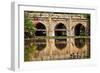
29, 48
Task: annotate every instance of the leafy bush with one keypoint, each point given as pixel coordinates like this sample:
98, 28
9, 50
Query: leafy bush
30, 28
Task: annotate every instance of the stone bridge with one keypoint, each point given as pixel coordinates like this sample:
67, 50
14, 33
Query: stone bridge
68, 35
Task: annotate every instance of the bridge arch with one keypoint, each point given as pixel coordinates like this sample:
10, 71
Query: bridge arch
60, 31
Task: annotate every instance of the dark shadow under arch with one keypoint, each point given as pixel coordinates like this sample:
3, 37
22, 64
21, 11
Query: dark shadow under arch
40, 29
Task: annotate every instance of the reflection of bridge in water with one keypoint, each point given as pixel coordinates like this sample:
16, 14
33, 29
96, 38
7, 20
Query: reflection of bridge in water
59, 32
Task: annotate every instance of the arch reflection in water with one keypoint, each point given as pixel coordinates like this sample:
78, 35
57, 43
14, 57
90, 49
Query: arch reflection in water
40, 32
79, 31
60, 31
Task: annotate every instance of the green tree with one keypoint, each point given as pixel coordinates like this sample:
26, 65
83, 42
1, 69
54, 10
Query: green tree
30, 28
28, 25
